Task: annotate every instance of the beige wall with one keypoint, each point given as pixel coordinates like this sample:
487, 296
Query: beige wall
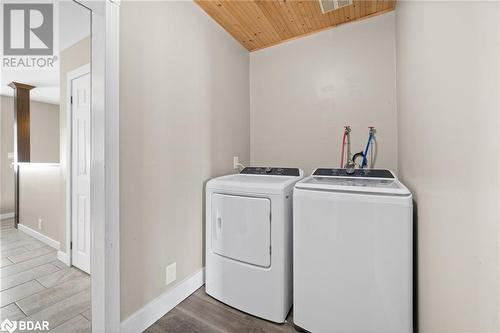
303, 92
448, 79
40, 198
7, 146
44, 131
184, 113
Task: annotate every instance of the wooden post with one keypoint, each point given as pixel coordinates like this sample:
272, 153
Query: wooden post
21, 134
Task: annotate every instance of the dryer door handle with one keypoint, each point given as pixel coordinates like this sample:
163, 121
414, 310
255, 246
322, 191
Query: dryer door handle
218, 224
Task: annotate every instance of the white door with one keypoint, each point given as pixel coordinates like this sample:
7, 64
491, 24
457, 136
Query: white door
80, 172
241, 228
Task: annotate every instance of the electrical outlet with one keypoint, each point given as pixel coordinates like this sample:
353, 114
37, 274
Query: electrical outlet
171, 273
10, 156
40, 224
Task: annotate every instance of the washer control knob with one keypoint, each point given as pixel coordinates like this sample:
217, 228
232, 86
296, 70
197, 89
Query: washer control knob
279, 171
268, 170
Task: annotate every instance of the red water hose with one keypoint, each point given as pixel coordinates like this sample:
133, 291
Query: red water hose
342, 154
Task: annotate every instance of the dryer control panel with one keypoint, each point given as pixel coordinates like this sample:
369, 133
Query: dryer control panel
358, 173
271, 171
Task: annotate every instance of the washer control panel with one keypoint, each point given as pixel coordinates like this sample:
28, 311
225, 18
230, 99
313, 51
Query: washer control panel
271, 171
358, 173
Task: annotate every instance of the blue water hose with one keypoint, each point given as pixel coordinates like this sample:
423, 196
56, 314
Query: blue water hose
370, 136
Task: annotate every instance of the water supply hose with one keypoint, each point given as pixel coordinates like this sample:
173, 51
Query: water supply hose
356, 156
342, 150
365, 155
346, 140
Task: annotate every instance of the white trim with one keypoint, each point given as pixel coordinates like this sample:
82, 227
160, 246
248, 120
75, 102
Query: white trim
7, 216
35, 164
74, 74
104, 166
41, 237
112, 162
64, 257
157, 308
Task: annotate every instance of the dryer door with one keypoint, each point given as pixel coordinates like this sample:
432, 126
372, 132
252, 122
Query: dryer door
241, 228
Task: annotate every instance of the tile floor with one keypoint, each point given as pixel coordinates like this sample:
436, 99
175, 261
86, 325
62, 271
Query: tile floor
34, 285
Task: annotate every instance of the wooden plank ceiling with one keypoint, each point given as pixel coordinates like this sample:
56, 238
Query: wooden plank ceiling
257, 24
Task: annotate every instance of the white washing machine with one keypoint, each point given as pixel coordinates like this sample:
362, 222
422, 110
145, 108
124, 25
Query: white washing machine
249, 240
352, 243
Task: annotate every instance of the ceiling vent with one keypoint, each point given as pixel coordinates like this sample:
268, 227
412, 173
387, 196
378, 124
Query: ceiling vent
329, 5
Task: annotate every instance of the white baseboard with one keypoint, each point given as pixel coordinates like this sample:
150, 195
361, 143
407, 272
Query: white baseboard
7, 216
41, 237
157, 308
63, 256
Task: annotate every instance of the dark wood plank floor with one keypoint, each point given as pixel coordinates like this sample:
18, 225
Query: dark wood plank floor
200, 313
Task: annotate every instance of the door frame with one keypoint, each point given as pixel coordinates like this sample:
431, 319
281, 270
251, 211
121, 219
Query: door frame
74, 74
104, 165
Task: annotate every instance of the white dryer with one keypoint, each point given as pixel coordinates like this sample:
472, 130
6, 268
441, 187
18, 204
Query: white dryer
352, 252
249, 240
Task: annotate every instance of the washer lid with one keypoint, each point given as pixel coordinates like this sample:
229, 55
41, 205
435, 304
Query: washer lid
266, 184
350, 184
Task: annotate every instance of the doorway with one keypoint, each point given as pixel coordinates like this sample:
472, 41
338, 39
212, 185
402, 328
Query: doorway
33, 253
101, 236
